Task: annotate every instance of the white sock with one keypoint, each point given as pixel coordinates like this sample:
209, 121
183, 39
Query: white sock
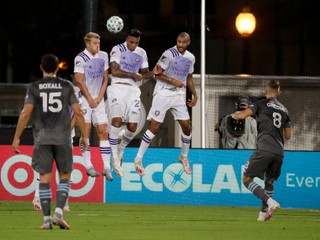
105, 152
126, 139
36, 190
269, 201
145, 142
113, 140
186, 140
87, 156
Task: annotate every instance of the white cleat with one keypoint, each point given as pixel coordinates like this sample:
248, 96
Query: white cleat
185, 164
261, 217
37, 204
272, 207
117, 168
107, 173
138, 166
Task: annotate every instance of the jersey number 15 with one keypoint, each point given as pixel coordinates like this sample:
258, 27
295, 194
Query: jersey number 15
51, 102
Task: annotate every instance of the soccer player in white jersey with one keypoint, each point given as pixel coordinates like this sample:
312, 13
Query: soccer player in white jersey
128, 64
91, 75
176, 67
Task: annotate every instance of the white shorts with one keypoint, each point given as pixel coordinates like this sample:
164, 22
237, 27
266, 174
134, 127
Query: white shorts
96, 116
161, 104
124, 101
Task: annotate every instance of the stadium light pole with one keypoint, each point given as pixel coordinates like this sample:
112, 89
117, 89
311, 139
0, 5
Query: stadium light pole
203, 72
90, 15
245, 24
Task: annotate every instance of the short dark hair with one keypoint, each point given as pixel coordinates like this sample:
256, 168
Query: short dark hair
134, 33
49, 63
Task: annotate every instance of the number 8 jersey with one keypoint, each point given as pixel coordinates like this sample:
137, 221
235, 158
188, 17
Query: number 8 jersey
51, 98
272, 118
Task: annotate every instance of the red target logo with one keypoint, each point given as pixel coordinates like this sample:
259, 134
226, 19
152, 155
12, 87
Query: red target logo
17, 176
19, 180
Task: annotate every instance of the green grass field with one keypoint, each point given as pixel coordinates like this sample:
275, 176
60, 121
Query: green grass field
18, 221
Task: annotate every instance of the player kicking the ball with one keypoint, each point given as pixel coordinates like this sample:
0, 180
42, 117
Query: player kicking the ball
267, 159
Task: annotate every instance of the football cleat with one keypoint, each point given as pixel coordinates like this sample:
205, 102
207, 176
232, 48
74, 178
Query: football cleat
272, 207
138, 166
107, 173
185, 164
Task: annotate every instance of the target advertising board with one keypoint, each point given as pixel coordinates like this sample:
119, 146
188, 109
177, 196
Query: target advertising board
18, 179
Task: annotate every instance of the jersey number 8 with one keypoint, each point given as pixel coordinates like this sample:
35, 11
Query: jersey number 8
277, 119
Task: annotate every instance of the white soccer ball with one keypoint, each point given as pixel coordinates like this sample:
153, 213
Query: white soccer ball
115, 24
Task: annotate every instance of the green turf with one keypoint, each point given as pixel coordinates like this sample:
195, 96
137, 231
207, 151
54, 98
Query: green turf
18, 221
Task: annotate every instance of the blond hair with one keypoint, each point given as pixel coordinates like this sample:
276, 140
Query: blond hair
89, 35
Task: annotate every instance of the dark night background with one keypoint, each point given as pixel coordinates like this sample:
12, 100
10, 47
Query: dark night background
286, 40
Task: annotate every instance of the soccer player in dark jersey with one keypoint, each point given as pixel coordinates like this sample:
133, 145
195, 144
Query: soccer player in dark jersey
273, 127
47, 103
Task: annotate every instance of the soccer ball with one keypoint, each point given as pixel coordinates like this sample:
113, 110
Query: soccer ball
115, 24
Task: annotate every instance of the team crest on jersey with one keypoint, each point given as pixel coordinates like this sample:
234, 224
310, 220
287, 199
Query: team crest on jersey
101, 64
84, 111
163, 59
157, 112
114, 100
137, 60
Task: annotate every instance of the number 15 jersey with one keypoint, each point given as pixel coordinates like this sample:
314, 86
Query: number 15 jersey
51, 121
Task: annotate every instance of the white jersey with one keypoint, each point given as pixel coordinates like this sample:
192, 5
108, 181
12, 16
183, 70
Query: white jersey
93, 68
129, 61
176, 66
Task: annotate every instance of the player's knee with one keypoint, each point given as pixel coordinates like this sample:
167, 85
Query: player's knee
186, 130
116, 122
186, 127
132, 127
246, 179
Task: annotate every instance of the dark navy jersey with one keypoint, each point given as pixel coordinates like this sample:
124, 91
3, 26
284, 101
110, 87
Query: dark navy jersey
272, 118
51, 98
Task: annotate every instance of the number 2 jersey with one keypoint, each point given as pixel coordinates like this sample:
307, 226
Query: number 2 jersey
272, 118
51, 98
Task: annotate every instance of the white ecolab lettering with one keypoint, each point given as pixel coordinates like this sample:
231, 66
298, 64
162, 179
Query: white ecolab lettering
293, 181
148, 181
198, 186
224, 179
131, 180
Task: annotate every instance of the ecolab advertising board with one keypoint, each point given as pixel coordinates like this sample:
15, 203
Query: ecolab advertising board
215, 180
